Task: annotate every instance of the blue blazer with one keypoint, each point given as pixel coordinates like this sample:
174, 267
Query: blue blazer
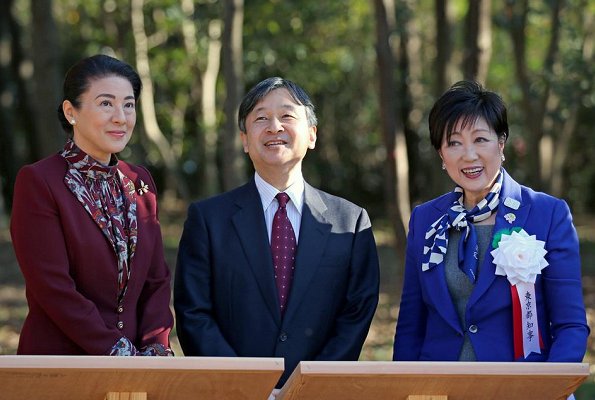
225, 295
428, 327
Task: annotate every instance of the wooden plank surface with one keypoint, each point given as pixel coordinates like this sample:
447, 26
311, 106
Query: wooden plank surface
456, 380
162, 378
128, 396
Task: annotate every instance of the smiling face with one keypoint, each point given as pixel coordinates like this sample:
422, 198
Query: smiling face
277, 136
473, 157
105, 118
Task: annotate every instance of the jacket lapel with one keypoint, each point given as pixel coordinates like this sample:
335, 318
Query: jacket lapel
250, 227
136, 211
510, 205
314, 232
435, 279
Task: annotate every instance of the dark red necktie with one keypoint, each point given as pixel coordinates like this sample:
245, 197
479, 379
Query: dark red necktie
283, 250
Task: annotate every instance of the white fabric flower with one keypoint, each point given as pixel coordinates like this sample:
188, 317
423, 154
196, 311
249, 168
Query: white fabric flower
520, 257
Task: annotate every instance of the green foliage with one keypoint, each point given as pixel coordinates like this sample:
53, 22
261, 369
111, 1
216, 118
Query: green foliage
295, 42
329, 48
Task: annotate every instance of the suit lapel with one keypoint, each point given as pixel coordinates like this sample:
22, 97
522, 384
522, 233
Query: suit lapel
136, 211
510, 204
314, 232
435, 279
250, 227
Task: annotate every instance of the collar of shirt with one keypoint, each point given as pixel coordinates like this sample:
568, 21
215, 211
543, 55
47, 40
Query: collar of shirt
268, 192
269, 205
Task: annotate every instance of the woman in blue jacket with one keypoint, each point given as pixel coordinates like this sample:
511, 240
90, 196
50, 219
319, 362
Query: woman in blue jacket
492, 268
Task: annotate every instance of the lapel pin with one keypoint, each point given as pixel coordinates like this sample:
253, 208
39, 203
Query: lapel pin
512, 203
510, 217
144, 188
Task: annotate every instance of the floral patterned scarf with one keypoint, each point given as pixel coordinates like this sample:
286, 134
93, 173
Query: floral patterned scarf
108, 196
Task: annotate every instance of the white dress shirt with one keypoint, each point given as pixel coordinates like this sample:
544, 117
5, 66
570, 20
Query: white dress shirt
270, 204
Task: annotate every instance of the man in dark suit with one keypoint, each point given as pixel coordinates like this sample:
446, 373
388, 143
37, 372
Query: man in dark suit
239, 290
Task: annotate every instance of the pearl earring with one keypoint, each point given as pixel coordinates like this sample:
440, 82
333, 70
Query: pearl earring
72, 122
503, 158
443, 165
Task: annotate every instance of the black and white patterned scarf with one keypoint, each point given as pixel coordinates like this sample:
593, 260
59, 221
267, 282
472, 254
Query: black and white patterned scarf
436, 240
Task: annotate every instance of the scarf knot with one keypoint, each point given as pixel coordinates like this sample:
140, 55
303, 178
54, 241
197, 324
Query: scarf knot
436, 238
104, 192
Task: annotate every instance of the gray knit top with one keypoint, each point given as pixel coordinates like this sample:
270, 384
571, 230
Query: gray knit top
459, 286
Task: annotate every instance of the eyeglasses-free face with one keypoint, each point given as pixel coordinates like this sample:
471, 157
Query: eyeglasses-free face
472, 157
277, 134
103, 123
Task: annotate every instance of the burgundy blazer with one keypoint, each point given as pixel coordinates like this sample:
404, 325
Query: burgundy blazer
70, 268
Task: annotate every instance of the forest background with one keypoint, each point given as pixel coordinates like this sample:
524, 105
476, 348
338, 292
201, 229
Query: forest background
372, 67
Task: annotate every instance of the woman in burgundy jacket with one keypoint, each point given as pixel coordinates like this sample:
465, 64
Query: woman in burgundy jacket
85, 229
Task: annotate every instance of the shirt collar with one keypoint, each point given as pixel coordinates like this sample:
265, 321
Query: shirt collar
268, 192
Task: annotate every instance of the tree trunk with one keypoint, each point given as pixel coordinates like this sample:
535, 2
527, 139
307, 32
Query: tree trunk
46, 55
7, 153
444, 67
147, 103
201, 185
411, 106
232, 160
443, 46
568, 128
539, 153
7, 159
392, 127
546, 155
517, 12
23, 107
209, 106
478, 46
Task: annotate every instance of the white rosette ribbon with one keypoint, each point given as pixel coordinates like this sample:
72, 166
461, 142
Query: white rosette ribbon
521, 257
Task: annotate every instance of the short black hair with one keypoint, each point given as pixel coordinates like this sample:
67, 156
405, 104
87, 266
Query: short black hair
80, 75
261, 89
466, 101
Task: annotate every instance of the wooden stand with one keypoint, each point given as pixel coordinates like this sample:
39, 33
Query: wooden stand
137, 378
432, 380
126, 396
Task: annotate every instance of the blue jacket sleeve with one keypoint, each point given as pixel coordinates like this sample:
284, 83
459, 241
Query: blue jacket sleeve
411, 323
563, 291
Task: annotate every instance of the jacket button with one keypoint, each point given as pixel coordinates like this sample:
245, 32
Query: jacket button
473, 328
283, 337
120, 324
120, 309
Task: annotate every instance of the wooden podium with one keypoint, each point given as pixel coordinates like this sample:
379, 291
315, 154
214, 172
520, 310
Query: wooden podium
137, 378
380, 380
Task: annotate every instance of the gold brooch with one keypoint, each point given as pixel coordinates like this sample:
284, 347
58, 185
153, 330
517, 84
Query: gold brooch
144, 188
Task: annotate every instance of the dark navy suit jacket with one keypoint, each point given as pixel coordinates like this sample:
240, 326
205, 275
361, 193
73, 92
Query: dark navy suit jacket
225, 296
428, 327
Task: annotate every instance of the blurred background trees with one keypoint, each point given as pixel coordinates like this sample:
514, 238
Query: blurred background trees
372, 67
